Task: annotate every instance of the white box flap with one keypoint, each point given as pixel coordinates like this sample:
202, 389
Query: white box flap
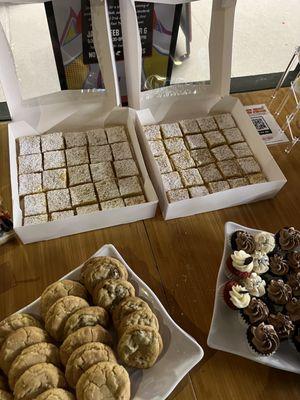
47, 111
220, 52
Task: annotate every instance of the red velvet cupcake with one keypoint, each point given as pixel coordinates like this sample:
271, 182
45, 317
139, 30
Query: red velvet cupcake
235, 296
239, 265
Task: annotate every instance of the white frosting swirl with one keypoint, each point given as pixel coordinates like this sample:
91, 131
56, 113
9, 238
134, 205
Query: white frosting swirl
255, 285
260, 262
239, 296
238, 261
265, 242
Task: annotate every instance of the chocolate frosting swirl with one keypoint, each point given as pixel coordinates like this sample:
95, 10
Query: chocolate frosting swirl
257, 311
283, 325
294, 282
265, 339
294, 260
279, 292
289, 238
278, 265
293, 309
245, 241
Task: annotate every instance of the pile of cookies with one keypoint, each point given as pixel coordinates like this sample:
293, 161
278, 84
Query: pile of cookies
70, 348
200, 156
74, 173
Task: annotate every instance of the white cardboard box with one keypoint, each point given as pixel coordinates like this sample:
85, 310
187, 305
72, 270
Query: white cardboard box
175, 102
68, 110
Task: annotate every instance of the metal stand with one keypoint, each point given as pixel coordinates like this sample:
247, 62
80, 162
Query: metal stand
295, 89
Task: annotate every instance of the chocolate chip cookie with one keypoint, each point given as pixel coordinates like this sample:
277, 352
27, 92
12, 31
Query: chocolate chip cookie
35, 354
109, 293
102, 381
138, 319
59, 312
58, 290
126, 307
87, 316
18, 341
85, 357
16, 321
37, 379
84, 335
100, 269
140, 347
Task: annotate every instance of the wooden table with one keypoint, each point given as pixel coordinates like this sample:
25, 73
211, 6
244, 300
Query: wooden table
179, 260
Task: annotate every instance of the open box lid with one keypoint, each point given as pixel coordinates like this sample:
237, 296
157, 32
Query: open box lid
220, 55
66, 107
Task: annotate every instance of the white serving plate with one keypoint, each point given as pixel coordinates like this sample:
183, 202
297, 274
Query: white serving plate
180, 354
227, 334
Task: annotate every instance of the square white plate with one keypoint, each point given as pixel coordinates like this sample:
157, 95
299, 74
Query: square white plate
227, 334
180, 354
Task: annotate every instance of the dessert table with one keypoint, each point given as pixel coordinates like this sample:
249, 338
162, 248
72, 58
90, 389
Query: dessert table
179, 259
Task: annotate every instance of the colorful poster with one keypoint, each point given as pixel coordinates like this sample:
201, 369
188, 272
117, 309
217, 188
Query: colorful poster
70, 28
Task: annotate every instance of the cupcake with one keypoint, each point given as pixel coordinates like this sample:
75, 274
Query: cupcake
279, 292
288, 239
283, 325
263, 339
239, 265
278, 265
294, 282
256, 312
260, 262
255, 285
241, 240
293, 310
265, 242
235, 295
293, 259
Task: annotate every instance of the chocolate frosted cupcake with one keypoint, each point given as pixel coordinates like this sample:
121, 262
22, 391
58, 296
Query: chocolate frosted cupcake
263, 339
256, 312
283, 325
293, 259
265, 242
288, 239
294, 282
278, 265
279, 292
293, 310
241, 240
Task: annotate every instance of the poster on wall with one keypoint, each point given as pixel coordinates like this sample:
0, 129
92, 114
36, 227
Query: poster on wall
72, 40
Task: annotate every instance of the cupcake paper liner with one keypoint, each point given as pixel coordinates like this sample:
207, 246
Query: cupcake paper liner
243, 320
252, 349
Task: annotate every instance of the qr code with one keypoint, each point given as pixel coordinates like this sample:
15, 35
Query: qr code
261, 126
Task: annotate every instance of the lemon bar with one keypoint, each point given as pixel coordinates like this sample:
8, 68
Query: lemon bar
177, 195
198, 191
75, 139
238, 182
130, 186
241, 150
191, 177
116, 134
125, 168
83, 194
219, 186
196, 141
121, 151
214, 138
152, 132
101, 171
233, 135
210, 173
96, 137
100, 153
207, 124
257, 178
163, 163
249, 165
114, 203
79, 174
35, 219
30, 164
54, 159
87, 209
171, 130
133, 201
174, 145
183, 160
189, 126
35, 204
61, 215
58, 200
77, 156
55, 179
156, 147
229, 169
222, 153
52, 141
225, 121
29, 145
171, 181
107, 190
30, 184
202, 157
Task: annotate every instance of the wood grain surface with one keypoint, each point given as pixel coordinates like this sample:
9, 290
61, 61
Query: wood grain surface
179, 260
